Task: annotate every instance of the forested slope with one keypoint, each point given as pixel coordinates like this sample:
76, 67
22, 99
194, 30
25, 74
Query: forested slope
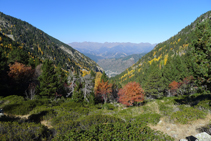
43, 45
169, 61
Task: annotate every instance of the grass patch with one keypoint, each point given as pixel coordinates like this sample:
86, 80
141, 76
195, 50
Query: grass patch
147, 118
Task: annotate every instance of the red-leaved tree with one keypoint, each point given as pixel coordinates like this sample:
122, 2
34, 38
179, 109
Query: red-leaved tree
173, 87
103, 90
131, 93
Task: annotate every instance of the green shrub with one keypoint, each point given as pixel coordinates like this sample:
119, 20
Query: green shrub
71, 104
165, 109
147, 109
204, 105
187, 114
65, 116
85, 124
13, 131
12, 99
22, 108
97, 119
108, 106
147, 118
114, 131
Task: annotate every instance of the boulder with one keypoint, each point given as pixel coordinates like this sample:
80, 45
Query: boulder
203, 136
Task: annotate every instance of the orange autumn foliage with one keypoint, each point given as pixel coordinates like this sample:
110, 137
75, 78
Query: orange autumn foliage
132, 92
174, 85
19, 71
103, 90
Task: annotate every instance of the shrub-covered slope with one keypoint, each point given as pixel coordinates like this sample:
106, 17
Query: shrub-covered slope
43, 45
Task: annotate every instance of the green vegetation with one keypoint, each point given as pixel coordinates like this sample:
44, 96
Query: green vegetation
78, 121
187, 114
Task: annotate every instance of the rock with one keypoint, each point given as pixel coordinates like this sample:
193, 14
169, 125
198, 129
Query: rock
160, 122
183, 140
203, 136
1, 112
168, 128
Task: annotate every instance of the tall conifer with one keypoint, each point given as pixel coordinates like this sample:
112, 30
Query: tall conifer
154, 87
48, 80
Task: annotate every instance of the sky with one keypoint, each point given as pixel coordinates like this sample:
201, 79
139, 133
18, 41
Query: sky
135, 21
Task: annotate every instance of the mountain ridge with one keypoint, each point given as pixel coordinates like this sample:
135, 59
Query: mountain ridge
97, 51
45, 46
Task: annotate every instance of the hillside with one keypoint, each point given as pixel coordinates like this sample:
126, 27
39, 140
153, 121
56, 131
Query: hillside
169, 61
115, 66
43, 45
97, 51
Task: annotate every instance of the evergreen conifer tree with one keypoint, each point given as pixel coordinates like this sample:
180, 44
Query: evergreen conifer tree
104, 77
62, 79
77, 93
169, 72
201, 50
181, 69
48, 80
3, 74
154, 86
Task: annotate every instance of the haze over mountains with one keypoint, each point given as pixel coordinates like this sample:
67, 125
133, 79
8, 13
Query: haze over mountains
114, 57
97, 51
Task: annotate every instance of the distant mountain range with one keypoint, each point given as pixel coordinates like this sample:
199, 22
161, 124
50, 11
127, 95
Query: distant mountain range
97, 51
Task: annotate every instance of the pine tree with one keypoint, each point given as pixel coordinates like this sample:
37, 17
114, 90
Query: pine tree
18, 55
201, 50
169, 72
3, 74
181, 68
154, 87
77, 93
104, 77
62, 79
48, 80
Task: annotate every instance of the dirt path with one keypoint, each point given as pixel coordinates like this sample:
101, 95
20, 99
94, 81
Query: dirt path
43, 122
181, 131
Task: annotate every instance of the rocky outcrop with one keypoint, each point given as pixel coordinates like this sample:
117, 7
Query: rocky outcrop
199, 137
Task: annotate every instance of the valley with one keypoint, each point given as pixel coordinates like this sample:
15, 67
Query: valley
114, 58
50, 90
116, 66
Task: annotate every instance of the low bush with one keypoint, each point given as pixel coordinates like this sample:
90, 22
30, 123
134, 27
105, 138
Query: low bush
64, 117
12, 99
204, 105
114, 131
63, 127
165, 109
88, 121
24, 107
187, 114
108, 106
13, 131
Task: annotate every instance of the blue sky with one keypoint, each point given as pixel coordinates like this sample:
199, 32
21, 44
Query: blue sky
133, 21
